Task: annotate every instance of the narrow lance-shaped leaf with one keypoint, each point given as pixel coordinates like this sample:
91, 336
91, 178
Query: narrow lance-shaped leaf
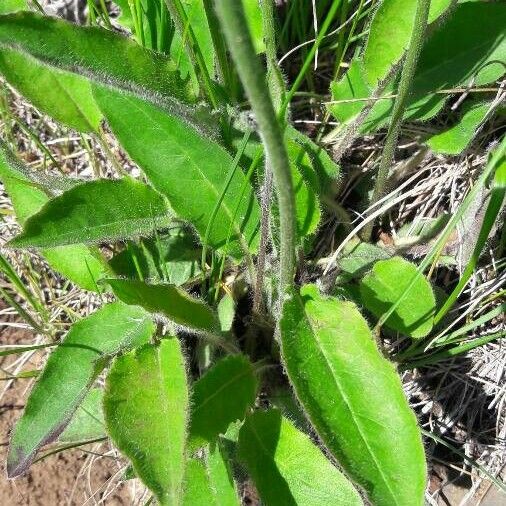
98, 54
198, 490
353, 397
287, 468
69, 373
187, 167
65, 97
386, 282
146, 411
167, 300
28, 192
95, 211
221, 396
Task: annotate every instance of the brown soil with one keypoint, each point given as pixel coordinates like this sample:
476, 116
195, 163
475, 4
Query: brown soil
57, 480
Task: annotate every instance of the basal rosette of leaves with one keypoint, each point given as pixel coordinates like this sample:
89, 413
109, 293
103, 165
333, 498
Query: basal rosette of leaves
223, 217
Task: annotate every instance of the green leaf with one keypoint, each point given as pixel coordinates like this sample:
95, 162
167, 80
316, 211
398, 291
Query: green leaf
253, 14
226, 312
457, 54
8, 6
305, 185
69, 373
167, 300
222, 396
146, 410
28, 193
95, 211
187, 167
174, 258
88, 421
353, 397
220, 476
457, 137
95, 53
358, 259
198, 490
386, 282
65, 97
287, 468
390, 33
209, 483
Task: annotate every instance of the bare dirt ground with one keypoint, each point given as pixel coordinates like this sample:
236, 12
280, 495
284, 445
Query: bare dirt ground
72, 477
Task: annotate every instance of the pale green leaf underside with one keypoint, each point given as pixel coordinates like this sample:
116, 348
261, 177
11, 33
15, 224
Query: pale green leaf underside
79, 263
221, 396
353, 397
95, 211
65, 97
69, 373
146, 410
187, 167
386, 282
287, 468
167, 300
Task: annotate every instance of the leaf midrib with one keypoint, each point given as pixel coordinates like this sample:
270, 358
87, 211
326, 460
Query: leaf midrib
347, 403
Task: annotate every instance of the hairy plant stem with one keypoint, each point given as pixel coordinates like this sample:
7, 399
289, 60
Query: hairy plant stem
251, 73
407, 74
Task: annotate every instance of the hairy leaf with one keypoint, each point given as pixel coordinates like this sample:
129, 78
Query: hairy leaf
100, 55
65, 97
88, 421
390, 33
287, 468
167, 300
386, 282
95, 211
187, 167
353, 397
198, 490
69, 373
28, 193
146, 411
220, 475
457, 137
221, 397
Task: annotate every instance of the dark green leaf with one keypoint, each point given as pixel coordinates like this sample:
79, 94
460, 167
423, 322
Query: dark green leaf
64, 96
95, 211
69, 373
187, 167
353, 397
146, 410
221, 397
167, 300
173, 258
287, 468
88, 421
386, 283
